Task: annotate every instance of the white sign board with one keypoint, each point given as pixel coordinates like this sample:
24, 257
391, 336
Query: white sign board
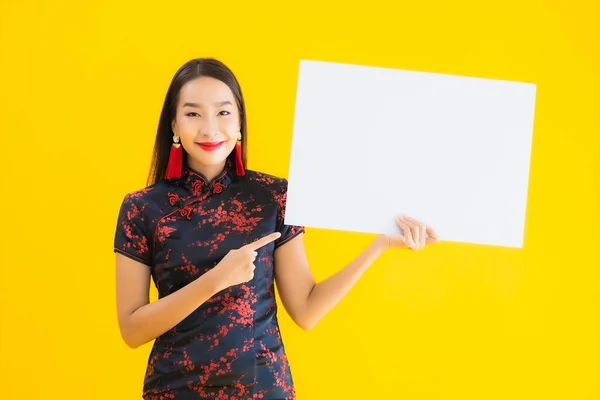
372, 143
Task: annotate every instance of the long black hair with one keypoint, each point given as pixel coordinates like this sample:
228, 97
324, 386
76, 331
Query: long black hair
195, 68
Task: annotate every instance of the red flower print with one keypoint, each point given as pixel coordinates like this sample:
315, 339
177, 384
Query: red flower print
197, 187
163, 232
188, 267
173, 198
187, 361
217, 188
139, 193
186, 211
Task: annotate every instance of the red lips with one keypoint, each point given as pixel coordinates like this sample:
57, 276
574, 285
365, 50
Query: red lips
210, 146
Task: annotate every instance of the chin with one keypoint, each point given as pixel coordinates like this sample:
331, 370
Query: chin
210, 159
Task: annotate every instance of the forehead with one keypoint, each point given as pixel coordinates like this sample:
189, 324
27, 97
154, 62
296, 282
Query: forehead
205, 90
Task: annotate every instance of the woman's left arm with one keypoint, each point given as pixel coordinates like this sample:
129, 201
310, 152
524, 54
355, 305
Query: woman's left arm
307, 301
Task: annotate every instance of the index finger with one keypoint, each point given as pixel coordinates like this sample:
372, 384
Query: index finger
257, 244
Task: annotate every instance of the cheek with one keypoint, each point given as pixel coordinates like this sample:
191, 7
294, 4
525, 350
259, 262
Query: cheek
187, 135
229, 134
188, 143
187, 128
230, 127
185, 124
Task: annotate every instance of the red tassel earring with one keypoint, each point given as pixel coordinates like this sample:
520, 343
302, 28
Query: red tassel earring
239, 162
175, 159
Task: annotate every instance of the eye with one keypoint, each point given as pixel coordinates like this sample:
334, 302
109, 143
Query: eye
190, 114
224, 112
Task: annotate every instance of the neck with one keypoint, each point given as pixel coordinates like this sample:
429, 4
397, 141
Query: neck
209, 171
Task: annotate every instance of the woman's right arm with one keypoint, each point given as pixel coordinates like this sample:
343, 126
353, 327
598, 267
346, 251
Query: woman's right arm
141, 321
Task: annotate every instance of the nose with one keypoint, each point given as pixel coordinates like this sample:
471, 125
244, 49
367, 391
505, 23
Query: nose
209, 126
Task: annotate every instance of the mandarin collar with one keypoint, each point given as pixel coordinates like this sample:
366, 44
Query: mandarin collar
197, 183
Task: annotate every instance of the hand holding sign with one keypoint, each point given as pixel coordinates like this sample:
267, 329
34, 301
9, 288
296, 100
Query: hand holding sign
415, 235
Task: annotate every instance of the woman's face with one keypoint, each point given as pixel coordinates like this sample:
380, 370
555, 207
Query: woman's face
207, 121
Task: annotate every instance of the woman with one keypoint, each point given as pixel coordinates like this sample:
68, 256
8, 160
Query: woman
212, 236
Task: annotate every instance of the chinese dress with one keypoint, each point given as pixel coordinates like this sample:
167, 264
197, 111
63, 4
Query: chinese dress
230, 347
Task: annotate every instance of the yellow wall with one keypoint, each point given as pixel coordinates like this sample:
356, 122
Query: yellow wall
81, 86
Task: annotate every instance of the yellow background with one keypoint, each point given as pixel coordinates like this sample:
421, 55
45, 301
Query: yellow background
81, 86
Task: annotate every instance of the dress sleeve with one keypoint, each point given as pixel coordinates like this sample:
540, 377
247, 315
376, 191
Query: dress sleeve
132, 237
288, 232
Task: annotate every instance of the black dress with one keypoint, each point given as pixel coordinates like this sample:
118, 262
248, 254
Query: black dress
230, 347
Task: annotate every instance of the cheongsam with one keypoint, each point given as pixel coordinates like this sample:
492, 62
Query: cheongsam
230, 347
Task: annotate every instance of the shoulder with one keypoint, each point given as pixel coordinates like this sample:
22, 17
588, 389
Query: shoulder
267, 181
147, 202
274, 187
277, 188
142, 196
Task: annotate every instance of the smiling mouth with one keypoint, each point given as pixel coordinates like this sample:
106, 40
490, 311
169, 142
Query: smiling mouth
210, 146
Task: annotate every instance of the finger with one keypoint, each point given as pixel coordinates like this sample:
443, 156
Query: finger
422, 228
417, 236
410, 219
423, 237
407, 234
433, 237
413, 232
250, 255
263, 241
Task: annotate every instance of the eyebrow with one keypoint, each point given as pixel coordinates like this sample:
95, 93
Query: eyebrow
196, 105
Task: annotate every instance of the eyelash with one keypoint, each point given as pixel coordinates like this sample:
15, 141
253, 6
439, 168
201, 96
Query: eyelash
189, 114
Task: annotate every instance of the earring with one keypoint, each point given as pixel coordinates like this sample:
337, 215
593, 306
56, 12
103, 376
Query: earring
239, 162
175, 159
